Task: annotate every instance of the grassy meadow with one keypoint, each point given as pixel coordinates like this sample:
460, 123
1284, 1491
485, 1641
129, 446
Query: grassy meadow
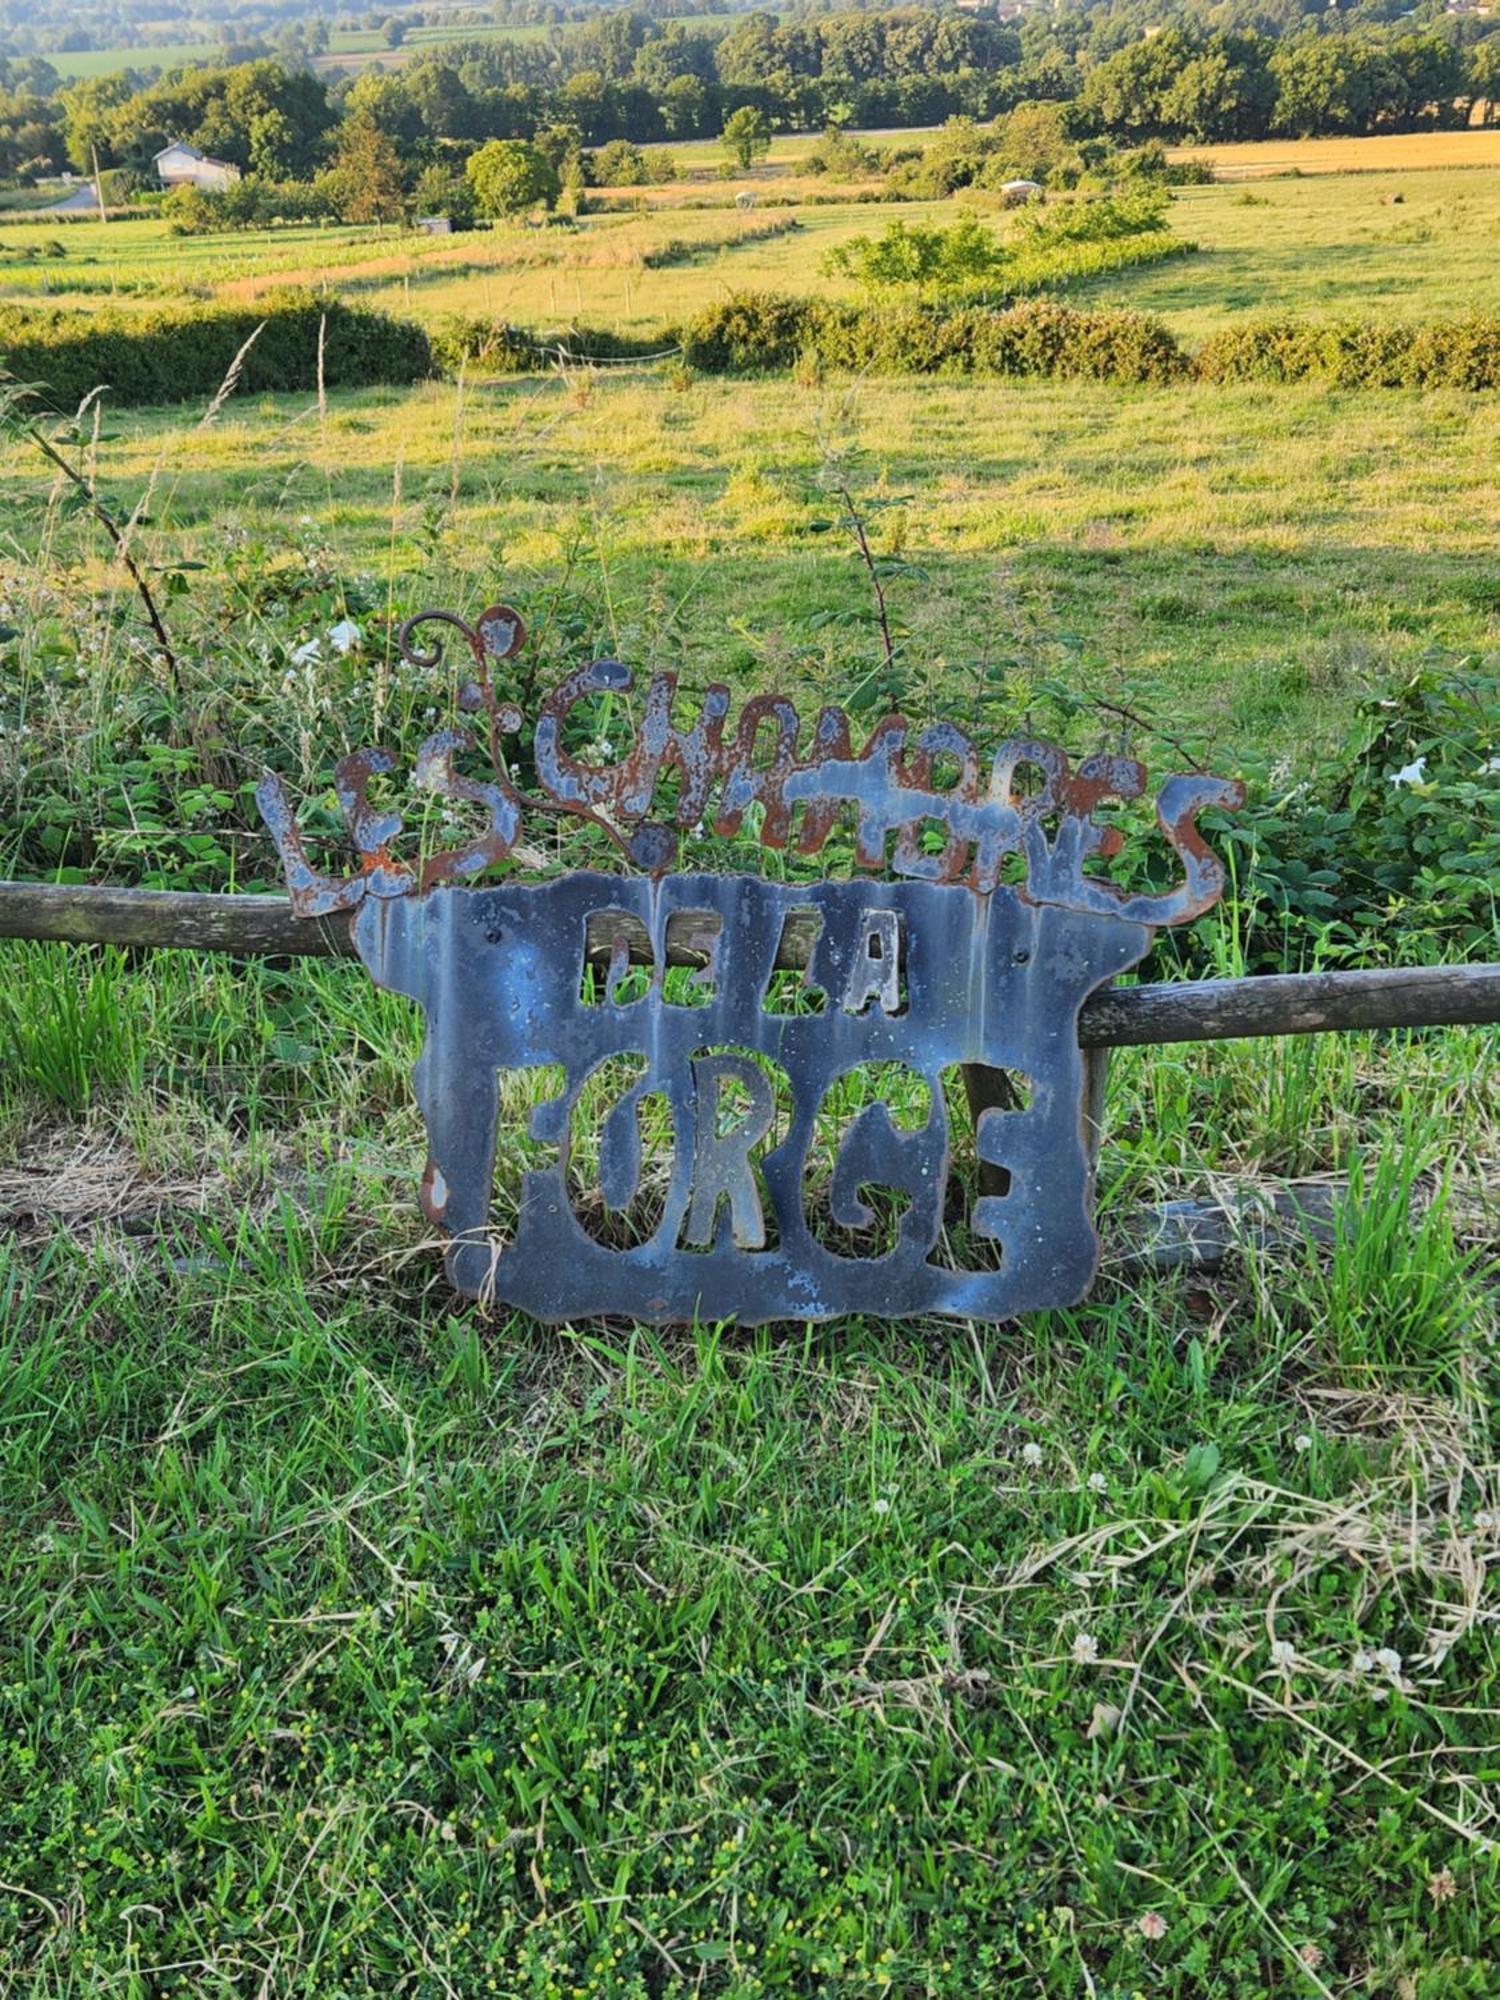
1399, 243
355, 1641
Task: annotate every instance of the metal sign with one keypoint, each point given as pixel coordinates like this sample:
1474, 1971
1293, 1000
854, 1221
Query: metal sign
666, 1135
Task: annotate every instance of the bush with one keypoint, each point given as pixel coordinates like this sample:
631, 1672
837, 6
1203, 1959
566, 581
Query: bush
1396, 834
1358, 354
178, 354
764, 333
933, 260
617, 164
251, 203
748, 333
1100, 218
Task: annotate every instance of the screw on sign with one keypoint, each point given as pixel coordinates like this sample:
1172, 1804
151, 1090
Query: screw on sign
973, 944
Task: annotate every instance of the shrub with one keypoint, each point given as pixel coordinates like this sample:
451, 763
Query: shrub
1099, 218
763, 332
932, 260
1357, 354
1397, 833
177, 354
841, 157
510, 176
618, 164
748, 333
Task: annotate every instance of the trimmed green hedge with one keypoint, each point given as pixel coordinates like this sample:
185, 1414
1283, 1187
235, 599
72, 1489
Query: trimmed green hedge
184, 353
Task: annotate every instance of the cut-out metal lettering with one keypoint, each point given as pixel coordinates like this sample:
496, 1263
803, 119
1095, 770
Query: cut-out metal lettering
701, 1200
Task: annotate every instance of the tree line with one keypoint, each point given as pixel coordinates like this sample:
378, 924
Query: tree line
626, 76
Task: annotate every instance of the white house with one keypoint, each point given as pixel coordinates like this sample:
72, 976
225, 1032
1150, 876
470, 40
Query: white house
178, 165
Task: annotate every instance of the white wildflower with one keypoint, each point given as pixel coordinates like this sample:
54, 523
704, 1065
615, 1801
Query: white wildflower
1097, 1483
1302, 1442
1031, 1454
1151, 1924
1363, 1662
1412, 773
1389, 1661
308, 655
1283, 1655
1085, 1649
882, 1506
345, 636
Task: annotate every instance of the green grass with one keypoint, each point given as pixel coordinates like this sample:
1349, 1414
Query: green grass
1320, 247
354, 1642
1244, 562
349, 1637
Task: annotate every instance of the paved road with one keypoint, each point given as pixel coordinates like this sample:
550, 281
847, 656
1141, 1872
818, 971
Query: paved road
80, 200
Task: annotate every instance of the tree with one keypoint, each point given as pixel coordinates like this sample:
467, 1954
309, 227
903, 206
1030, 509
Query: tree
439, 191
1484, 75
1225, 92
509, 176
366, 178
393, 32
91, 112
684, 107
747, 135
619, 164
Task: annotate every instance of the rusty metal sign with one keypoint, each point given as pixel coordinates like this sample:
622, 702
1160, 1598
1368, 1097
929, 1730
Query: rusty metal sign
768, 1135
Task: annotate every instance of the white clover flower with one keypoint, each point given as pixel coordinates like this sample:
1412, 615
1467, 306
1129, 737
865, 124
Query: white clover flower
1097, 1483
1389, 1661
1151, 1924
882, 1506
308, 655
1363, 1662
1302, 1442
1283, 1655
1031, 1454
1085, 1649
345, 636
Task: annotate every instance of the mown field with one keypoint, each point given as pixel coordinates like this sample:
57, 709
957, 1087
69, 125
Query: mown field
355, 1641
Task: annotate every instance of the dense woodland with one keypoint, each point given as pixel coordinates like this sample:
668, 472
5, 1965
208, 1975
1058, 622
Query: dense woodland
1127, 73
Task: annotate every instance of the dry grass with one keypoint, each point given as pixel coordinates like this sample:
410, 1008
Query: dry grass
1398, 152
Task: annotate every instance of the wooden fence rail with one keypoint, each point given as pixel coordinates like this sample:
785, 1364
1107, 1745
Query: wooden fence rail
1204, 1010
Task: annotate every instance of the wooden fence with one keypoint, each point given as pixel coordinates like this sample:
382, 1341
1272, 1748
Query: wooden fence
1204, 1010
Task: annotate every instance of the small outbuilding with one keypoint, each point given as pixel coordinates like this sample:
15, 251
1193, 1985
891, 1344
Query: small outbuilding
434, 225
1015, 194
180, 165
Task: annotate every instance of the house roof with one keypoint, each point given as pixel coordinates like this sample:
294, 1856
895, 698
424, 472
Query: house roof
182, 146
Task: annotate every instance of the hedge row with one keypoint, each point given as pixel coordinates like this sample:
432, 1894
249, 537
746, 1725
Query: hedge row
764, 333
185, 353
756, 333
1358, 354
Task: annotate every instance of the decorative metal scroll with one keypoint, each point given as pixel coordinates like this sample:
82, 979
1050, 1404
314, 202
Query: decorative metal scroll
978, 956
